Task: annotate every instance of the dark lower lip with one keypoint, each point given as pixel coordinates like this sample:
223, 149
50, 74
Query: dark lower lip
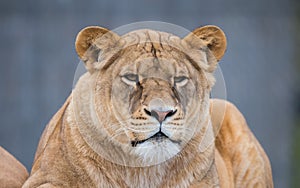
158, 137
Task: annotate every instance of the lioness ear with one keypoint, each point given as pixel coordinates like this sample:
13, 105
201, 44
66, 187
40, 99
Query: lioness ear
212, 36
90, 41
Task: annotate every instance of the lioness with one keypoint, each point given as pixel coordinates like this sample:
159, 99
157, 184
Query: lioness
142, 117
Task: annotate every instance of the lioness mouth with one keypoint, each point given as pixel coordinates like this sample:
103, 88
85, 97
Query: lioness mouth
158, 137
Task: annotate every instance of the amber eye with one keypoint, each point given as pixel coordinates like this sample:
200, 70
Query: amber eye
130, 79
180, 80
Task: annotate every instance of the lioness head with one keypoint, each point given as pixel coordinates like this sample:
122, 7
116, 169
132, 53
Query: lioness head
146, 93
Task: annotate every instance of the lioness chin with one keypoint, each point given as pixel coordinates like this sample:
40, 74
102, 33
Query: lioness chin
142, 117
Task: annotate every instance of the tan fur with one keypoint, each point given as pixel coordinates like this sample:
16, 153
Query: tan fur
99, 138
12, 173
246, 163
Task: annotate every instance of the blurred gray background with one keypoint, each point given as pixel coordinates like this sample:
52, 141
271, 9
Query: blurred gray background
38, 62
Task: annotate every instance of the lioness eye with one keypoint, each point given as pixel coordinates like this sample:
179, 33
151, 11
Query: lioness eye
180, 80
130, 78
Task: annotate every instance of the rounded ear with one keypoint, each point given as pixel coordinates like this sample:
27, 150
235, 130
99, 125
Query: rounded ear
86, 37
90, 41
212, 37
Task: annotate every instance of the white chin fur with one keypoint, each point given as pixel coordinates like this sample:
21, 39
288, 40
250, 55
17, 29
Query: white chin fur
153, 153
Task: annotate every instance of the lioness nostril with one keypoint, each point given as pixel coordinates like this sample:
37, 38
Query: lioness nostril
171, 113
147, 112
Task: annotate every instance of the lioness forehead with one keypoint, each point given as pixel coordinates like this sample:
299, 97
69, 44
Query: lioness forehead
156, 43
160, 40
154, 53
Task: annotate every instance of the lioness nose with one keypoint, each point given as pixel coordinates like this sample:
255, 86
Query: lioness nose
161, 115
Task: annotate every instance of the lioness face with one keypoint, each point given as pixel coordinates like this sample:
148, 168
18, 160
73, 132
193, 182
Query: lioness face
157, 99
155, 89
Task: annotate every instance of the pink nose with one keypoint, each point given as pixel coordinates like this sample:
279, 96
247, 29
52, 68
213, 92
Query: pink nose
161, 115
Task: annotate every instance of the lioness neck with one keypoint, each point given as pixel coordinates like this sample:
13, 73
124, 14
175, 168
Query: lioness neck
182, 170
